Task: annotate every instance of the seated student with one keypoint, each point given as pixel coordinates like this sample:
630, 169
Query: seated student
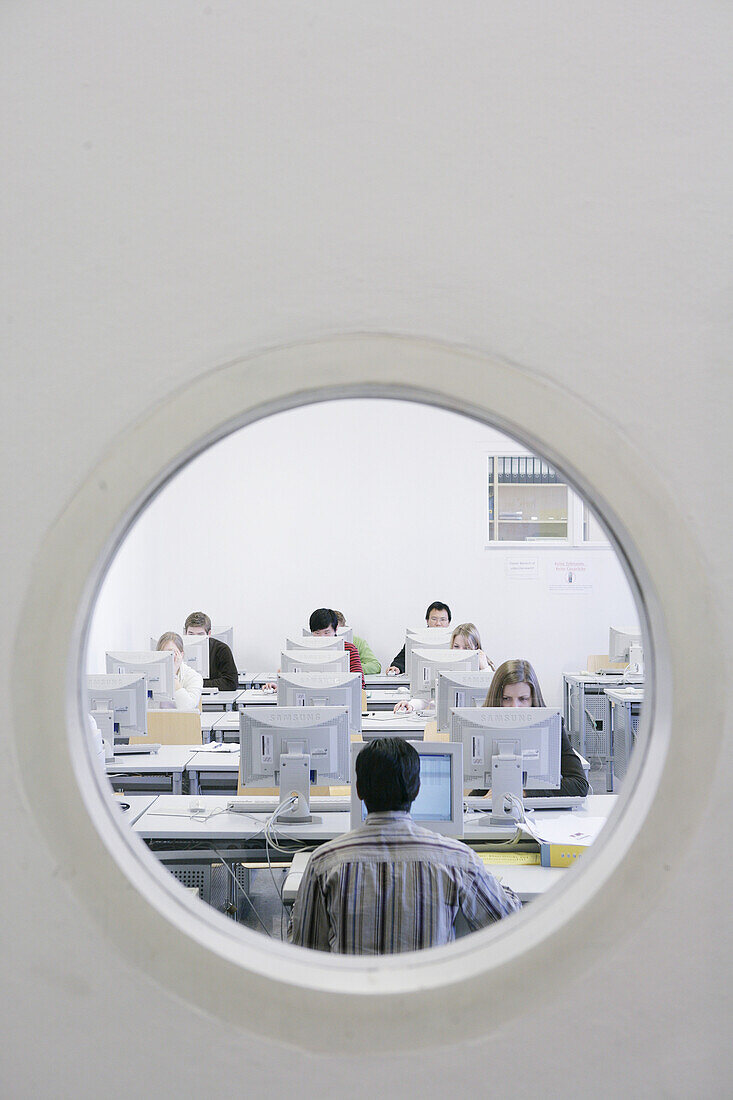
189, 682
369, 663
390, 885
515, 684
465, 636
222, 669
323, 623
438, 614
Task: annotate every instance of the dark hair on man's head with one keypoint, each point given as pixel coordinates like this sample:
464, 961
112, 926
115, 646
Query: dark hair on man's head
437, 606
322, 618
388, 774
198, 619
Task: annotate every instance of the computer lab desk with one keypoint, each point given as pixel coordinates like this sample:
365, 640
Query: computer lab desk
387, 724
379, 681
209, 769
377, 698
179, 839
220, 700
223, 725
133, 806
382, 682
626, 705
154, 772
214, 771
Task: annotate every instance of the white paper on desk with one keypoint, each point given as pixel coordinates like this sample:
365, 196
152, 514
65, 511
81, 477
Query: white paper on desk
217, 748
570, 830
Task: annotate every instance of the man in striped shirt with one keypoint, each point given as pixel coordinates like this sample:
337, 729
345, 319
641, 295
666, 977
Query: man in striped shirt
390, 885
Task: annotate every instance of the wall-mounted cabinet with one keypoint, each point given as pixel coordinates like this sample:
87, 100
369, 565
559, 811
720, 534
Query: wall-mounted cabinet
529, 502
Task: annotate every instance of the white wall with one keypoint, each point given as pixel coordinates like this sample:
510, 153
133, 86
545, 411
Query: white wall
187, 183
386, 517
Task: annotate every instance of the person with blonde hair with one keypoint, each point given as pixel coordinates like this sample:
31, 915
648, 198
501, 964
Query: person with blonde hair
189, 682
515, 684
465, 636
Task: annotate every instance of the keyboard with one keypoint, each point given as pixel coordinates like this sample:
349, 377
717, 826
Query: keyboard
135, 750
267, 804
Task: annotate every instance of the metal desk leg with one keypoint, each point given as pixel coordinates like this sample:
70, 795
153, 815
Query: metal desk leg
177, 784
193, 779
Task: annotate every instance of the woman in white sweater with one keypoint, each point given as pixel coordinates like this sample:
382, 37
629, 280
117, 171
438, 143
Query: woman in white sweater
189, 682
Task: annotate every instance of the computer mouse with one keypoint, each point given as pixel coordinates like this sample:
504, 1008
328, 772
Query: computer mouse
403, 691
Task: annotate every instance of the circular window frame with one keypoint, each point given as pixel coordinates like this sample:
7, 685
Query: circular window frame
304, 998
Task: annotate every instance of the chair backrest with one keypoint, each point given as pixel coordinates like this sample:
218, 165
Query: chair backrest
597, 661
172, 727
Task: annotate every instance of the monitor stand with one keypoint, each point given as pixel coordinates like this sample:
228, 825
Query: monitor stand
295, 780
507, 788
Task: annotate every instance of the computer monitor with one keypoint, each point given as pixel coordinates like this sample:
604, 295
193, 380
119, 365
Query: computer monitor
439, 804
626, 647
459, 689
345, 632
421, 632
315, 642
118, 704
322, 689
293, 748
157, 668
314, 660
426, 663
195, 652
224, 634
434, 637
507, 749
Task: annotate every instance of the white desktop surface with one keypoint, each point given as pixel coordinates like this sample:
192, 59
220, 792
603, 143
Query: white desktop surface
168, 819
223, 720
168, 758
138, 804
220, 700
381, 681
586, 677
382, 697
386, 723
563, 823
383, 722
632, 693
222, 762
256, 697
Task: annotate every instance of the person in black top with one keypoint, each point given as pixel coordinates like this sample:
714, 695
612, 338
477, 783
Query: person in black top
222, 669
438, 614
515, 684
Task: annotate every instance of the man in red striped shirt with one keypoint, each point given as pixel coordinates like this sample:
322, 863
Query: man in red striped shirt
324, 623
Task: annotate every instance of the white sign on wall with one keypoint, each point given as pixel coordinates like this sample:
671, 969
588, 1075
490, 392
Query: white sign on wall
522, 568
570, 575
